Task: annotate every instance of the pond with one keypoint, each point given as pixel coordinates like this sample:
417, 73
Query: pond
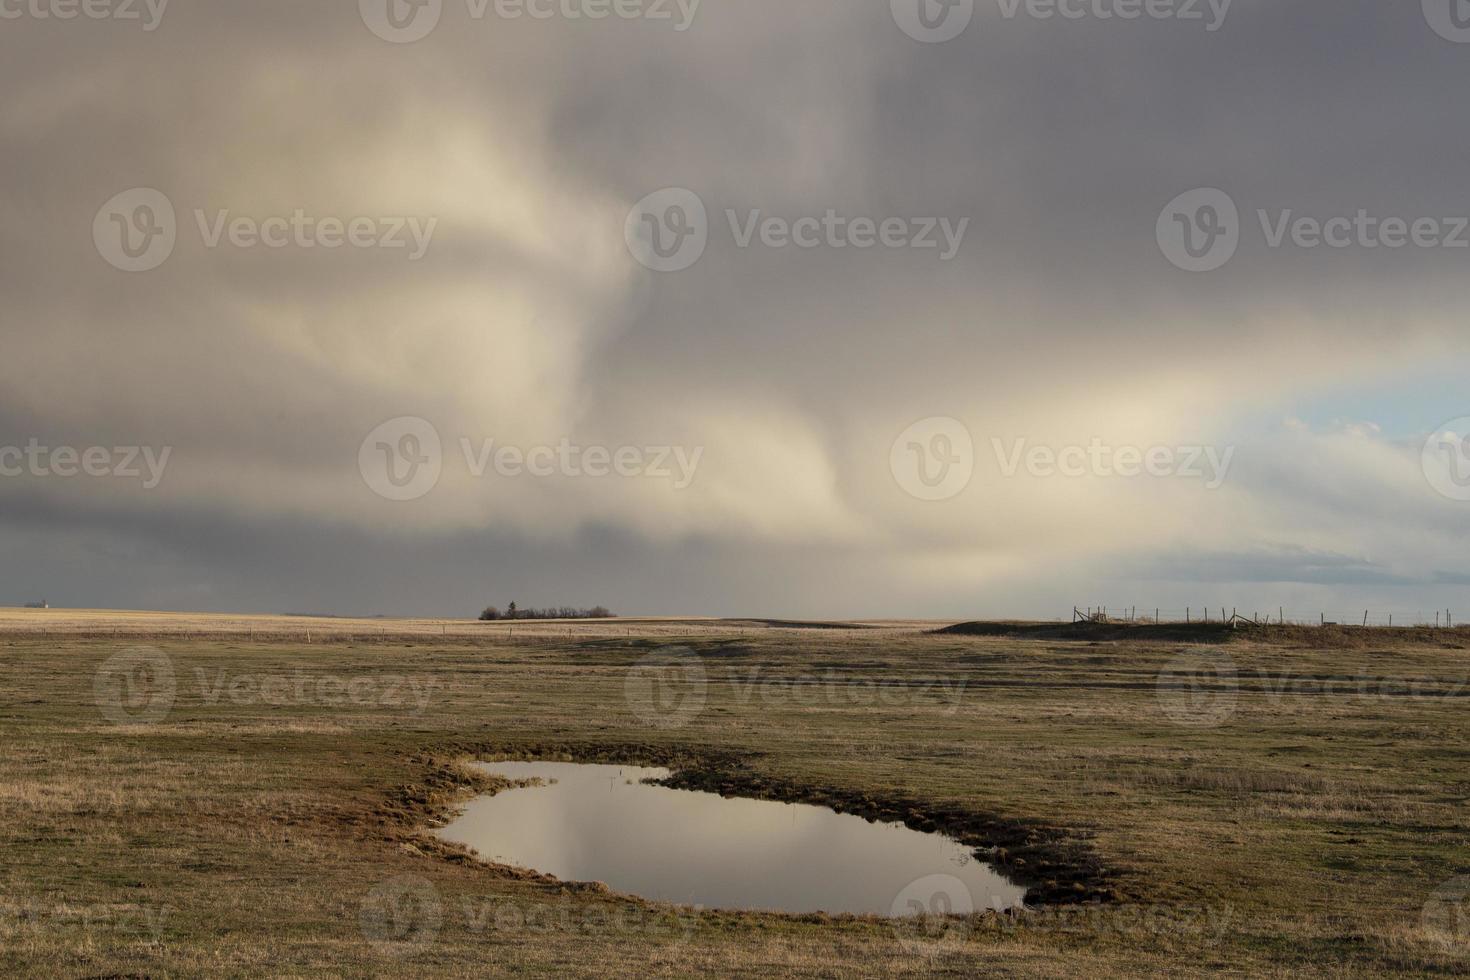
603, 823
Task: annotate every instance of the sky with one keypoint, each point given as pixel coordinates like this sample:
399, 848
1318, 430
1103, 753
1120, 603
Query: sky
796, 308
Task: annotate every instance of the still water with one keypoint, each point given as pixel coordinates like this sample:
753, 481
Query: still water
601, 823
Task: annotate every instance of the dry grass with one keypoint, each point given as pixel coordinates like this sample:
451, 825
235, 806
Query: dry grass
1304, 835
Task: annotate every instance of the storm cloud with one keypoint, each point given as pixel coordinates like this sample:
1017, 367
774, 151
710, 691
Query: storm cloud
279, 344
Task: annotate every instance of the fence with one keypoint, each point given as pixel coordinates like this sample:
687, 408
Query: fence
1281, 616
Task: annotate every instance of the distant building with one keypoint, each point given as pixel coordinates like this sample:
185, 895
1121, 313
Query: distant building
43, 604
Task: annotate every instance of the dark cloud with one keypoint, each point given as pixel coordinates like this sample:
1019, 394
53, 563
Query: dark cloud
1059, 320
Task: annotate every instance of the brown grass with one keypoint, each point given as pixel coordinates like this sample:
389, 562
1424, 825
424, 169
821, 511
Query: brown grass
1304, 835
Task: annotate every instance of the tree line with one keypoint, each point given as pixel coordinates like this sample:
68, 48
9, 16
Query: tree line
493, 614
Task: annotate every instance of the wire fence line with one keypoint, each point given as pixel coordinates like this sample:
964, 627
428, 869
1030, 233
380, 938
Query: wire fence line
1278, 616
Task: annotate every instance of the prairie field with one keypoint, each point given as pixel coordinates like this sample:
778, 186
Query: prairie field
226, 796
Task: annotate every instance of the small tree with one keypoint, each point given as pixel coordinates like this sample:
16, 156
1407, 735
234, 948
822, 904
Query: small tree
490, 615
510, 613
